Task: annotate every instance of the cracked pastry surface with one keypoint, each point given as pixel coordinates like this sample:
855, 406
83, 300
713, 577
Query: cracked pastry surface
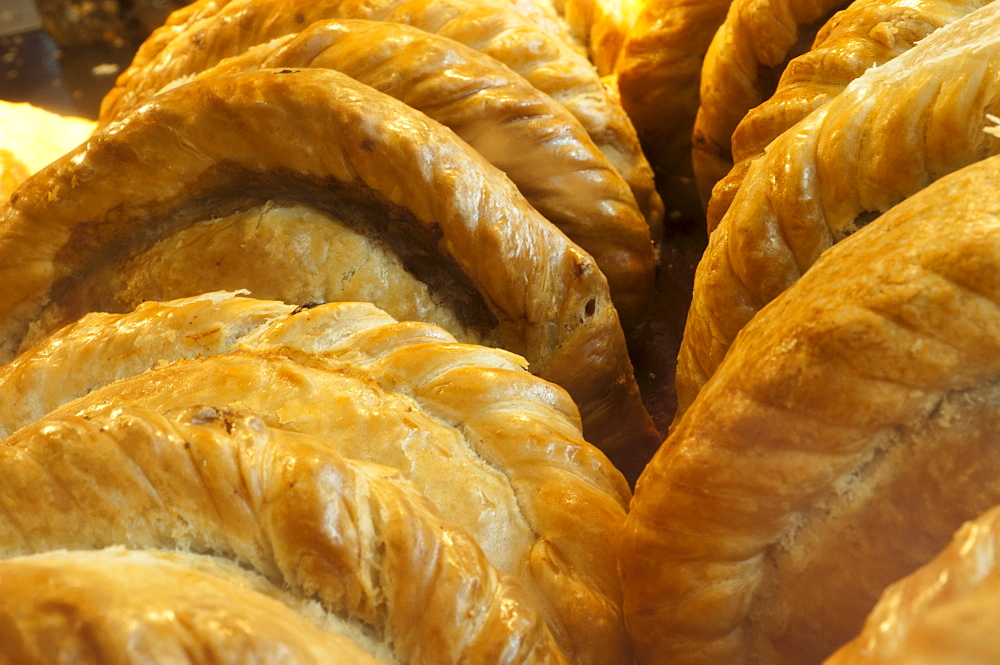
498, 451
353, 536
891, 132
208, 150
859, 433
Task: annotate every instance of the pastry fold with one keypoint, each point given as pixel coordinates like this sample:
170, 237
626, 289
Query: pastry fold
130, 215
526, 134
139, 606
862, 36
355, 537
859, 432
498, 451
220, 30
742, 66
891, 132
658, 74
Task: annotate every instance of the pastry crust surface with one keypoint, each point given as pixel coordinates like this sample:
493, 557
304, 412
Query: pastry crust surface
459, 224
220, 30
523, 132
498, 451
356, 537
859, 431
890, 133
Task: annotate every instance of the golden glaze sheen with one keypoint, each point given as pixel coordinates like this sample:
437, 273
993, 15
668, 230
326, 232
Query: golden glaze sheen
658, 74
862, 36
498, 451
523, 132
890, 133
356, 537
742, 66
175, 163
214, 32
121, 606
946, 612
848, 433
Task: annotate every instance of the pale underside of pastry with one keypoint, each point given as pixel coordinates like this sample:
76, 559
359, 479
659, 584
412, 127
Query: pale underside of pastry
207, 150
220, 30
946, 612
859, 433
498, 451
354, 537
864, 35
742, 66
658, 74
94, 607
526, 134
891, 132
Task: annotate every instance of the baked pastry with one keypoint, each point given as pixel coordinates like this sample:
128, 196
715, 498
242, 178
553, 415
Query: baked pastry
498, 451
220, 30
30, 138
526, 134
858, 433
945, 612
137, 606
742, 66
658, 74
354, 537
394, 210
891, 132
605, 24
865, 35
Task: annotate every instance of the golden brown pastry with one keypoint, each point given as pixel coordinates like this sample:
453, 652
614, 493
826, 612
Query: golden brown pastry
498, 451
30, 138
140, 606
605, 24
394, 209
944, 613
742, 66
891, 132
849, 432
864, 35
658, 74
523, 132
220, 30
354, 537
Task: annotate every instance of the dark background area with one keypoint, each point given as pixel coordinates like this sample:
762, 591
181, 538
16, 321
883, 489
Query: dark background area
66, 80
